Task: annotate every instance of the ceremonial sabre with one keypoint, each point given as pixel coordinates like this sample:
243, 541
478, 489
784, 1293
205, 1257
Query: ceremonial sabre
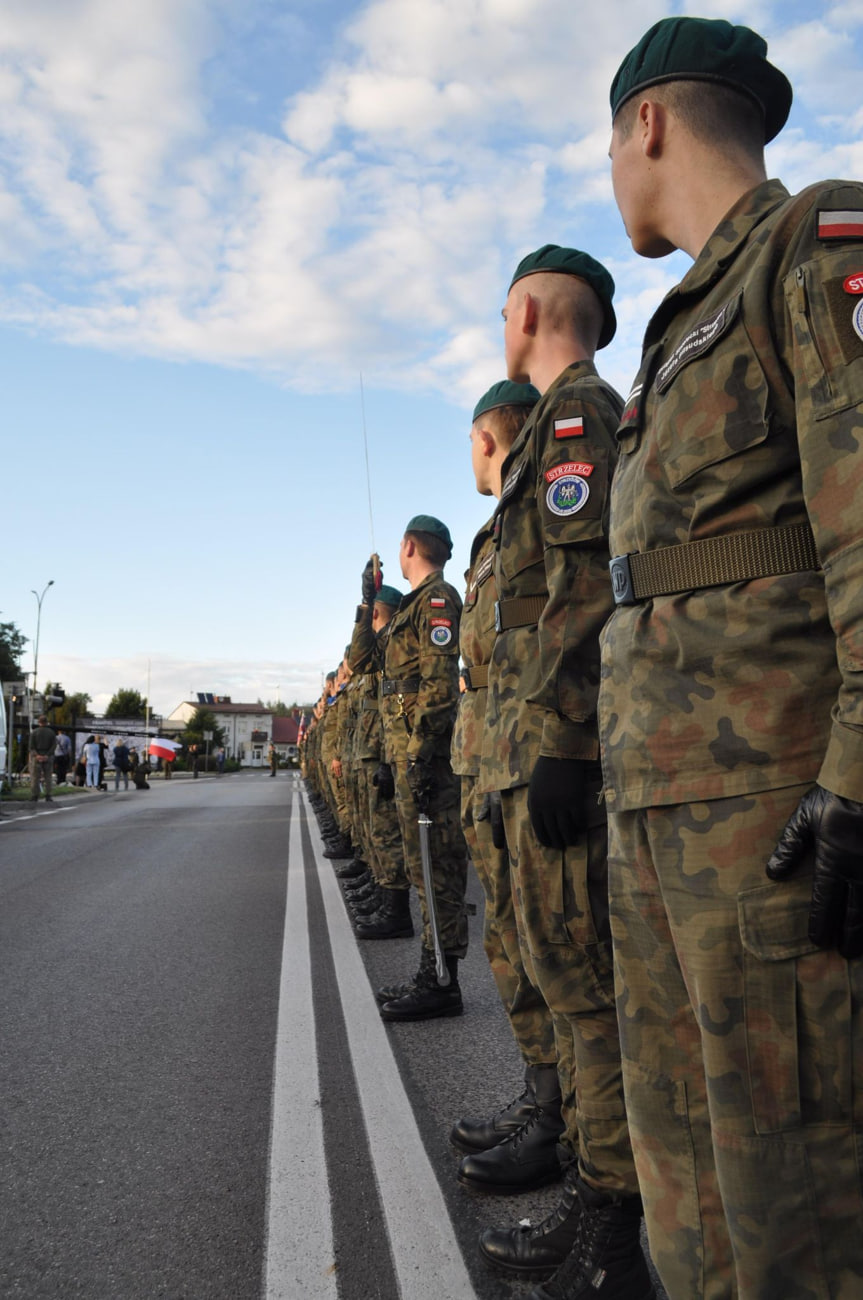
425, 853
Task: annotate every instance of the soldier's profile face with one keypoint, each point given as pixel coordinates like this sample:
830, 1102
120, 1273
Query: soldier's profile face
514, 338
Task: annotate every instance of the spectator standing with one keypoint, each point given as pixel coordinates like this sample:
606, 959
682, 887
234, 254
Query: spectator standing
92, 755
62, 757
43, 740
121, 765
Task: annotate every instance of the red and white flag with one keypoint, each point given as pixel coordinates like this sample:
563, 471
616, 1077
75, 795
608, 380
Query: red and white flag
166, 749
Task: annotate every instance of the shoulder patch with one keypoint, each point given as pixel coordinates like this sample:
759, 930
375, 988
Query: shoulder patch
572, 427
841, 224
437, 602
441, 633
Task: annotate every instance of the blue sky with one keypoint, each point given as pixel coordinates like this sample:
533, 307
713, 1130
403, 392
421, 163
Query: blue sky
216, 216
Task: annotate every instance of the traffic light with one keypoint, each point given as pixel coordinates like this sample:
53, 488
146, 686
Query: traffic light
55, 697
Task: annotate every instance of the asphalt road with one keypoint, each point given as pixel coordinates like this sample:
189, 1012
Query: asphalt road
197, 1096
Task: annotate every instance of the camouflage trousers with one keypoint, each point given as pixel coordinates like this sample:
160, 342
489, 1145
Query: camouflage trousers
337, 800
448, 854
561, 908
529, 1017
742, 1054
382, 834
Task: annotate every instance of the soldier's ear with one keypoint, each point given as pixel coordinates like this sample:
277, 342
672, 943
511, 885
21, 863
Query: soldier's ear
487, 442
530, 314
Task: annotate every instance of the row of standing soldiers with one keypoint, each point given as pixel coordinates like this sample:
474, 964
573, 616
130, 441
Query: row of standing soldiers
654, 748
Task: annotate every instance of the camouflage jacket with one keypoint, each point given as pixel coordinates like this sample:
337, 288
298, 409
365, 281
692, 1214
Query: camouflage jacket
550, 529
422, 647
368, 732
330, 728
747, 413
476, 639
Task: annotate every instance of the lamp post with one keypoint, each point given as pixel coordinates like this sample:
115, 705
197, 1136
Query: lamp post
39, 600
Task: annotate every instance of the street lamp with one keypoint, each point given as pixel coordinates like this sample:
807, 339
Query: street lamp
39, 600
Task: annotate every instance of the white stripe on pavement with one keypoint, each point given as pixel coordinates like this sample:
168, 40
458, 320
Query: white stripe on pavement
28, 817
299, 1251
427, 1257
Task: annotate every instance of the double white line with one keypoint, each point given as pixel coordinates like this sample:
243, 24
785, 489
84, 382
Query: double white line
300, 1261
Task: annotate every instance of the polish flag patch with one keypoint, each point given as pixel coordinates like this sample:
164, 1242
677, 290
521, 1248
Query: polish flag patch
840, 225
437, 602
571, 428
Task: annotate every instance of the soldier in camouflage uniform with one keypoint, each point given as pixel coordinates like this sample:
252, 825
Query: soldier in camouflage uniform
381, 908
340, 846
497, 420
731, 706
419, 694
541, 751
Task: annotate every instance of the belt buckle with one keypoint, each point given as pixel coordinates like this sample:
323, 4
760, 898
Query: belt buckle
498, 626
621, 580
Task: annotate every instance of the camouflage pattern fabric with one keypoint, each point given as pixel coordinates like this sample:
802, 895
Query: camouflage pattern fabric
550, 527
448, 854
743, 1052
561, 906
718, 708
386, 851
476, 641
329, 751
529, 1017
550, 531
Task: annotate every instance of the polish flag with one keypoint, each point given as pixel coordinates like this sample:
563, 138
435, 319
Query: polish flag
166, 749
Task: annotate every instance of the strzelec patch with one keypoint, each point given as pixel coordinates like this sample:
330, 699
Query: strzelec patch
441, 635
567, 495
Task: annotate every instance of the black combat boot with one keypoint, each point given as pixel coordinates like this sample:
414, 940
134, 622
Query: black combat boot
367, 906
390, 992
536, 1253
355, 871
528, 1157
391, 921
470, 1135
358, 888
428, 999
606, 1261
340, 847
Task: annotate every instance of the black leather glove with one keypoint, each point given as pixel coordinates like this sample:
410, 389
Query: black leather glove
384, 782
556, 800
422, 783
369, 583
833, 828
491, 811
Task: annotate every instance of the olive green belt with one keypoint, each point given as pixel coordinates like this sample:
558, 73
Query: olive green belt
712, 562
518, 611
475, 677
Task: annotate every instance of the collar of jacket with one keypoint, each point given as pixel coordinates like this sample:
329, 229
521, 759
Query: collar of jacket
721, 249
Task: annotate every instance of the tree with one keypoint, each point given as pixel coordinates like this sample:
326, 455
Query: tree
127, 703
12, 644
277, 707
203, 720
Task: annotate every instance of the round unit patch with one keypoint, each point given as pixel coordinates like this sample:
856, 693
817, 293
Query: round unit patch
567, 495
857, 319
441, 635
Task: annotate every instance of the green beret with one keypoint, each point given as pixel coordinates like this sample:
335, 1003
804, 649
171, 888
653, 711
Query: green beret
506, 393
706, 49
388, 596
428, 524
569, 261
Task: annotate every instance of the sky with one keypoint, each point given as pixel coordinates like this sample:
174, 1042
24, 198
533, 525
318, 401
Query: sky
249, 248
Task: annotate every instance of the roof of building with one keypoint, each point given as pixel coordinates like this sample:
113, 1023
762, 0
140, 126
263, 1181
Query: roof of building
285, 729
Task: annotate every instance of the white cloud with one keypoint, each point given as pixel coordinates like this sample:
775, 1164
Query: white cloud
440, 142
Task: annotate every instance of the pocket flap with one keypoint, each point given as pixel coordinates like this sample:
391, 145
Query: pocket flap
774, 920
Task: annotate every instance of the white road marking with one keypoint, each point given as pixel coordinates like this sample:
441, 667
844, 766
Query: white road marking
427, 1257
28, 817
299, 1249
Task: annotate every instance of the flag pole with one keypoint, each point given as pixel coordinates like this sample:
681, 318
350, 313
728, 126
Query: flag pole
375, 560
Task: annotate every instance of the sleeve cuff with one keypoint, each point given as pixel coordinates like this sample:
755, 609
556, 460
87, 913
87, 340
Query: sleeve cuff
842, 769
563, 738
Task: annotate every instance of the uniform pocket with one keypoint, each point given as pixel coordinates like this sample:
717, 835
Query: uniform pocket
711, 397
797, 1013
